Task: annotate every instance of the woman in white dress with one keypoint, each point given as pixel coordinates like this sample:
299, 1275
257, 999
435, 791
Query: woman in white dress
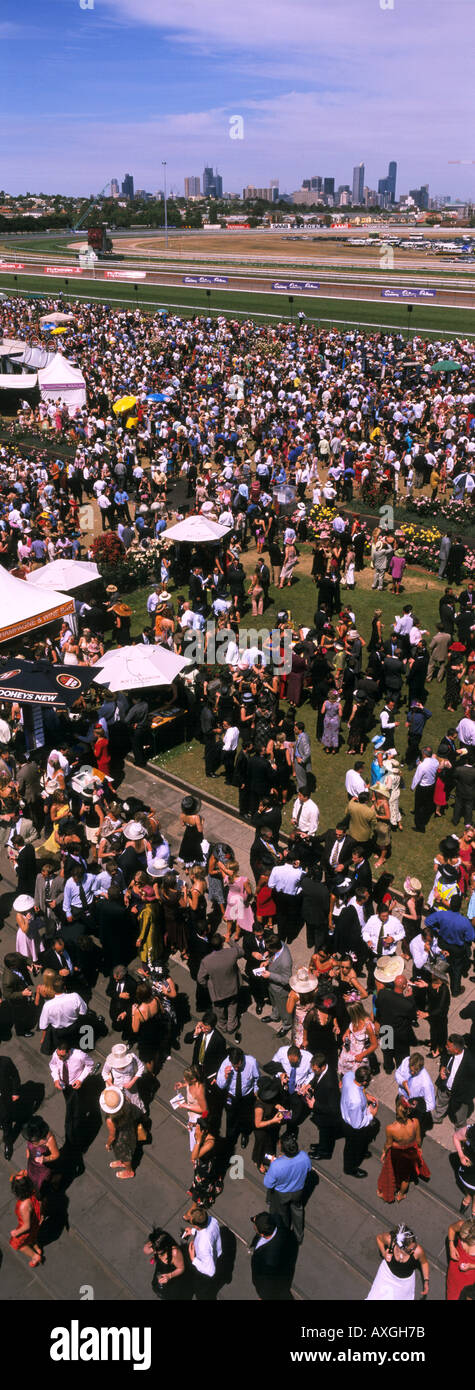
28, 941
122, 1070
401, 1254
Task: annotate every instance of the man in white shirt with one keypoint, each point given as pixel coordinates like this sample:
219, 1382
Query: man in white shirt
62, 1012
229, 745
358, 1112
423, 787
305, 816
382, 932
295, 1073
204, 1250
70, 1068
414, 1081
354, 782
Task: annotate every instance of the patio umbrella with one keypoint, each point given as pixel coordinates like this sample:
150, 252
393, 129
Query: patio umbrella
26, 606
196, 530
132, 420
131, 668
157, 396
42, 683
64, 574
124, 403
447, 366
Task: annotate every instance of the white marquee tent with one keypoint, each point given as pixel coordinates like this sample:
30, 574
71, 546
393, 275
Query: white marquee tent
196, 530
25, 606
61, 381
131, 668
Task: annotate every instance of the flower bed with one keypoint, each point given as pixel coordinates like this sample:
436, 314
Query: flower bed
459, 514
140, 564
422, 546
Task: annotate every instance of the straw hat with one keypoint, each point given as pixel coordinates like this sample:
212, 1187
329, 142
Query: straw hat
119, 1058
112, 589
387, 969
302, 982
412, 885
111, 1101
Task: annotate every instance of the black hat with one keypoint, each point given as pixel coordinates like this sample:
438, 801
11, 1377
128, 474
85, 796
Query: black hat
190, 805
268, 1088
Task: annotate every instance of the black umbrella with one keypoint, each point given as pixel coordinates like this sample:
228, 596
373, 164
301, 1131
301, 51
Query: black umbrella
42, 683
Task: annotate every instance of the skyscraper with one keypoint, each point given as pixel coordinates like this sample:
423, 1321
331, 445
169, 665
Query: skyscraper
212, 183
115, 191
128, 186
192, 187
328, 186
388, 185
358, 185
420, 196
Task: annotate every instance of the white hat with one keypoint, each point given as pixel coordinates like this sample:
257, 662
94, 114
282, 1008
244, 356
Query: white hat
134, 830
119, 1058
303, 982
24, 903
387, 969
111, 1100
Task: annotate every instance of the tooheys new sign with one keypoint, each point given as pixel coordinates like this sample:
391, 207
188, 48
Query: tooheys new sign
41, 683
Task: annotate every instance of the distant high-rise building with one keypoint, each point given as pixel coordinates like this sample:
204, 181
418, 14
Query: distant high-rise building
358, 185
115, 190
329, 187
388, 185
420, 196
274, 188
128, 186
212, 183
192, 187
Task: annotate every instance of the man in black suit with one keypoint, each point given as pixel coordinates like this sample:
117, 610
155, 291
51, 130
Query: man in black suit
269, 814
455, 1083
397, 1011
360, 869
324, 1102
255, 949
61, 959
393, 672
209, 1047
464, 779
263, 856
260, 777
336, 851
315, 902
272, 1258
448, 748
9, 1094
121, 991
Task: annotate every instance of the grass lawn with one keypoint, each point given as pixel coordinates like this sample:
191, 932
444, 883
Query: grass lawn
445, 321
410, 852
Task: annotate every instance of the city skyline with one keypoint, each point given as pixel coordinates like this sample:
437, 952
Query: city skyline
198, 90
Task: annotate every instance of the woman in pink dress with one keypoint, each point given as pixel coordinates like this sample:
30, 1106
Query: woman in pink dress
238, 912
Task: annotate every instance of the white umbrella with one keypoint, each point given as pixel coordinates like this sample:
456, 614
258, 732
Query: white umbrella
64, 574
196, 530
128, 668
23, 607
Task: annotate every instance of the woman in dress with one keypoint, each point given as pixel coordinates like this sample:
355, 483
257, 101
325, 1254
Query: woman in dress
174, 902
148, 1026
195, 1099
392, 782
464, 1144
170, 1281
383, 828
238, 912
42, 1154
267, 1120
412, 912
121, 1125
290, 561
190, 851
207, 1182
28, 937
256, 595
122, 1069
302, 989
402, 1155
332, 712
401, 1254
25, 1235
282, 758
360, 1040
467, 857
357, 723
377, 630
320, 1030
461, 1267
150, 943
455, 674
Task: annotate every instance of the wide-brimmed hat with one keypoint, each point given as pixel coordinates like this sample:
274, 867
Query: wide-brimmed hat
134, 830
268, 1088
303, 982
112, 589
111, 1100
24, 903
379, 790
119, 1058
387, 969
378, 741
440, 969
190, 805
412, 885
449, 845
157, 870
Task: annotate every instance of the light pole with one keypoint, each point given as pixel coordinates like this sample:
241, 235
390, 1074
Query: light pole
164, 163
291, 302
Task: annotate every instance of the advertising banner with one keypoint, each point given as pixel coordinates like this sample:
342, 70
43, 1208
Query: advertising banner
408, 293
62, 270
296, 285
205, 280
125, 274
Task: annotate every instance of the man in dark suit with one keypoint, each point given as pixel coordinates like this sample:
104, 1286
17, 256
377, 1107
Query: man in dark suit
269, 814
393, 672
360, 869
121, 991
455, 1085
60, 958
259, 777
272, 1258
209, 1047
323, 1100
397, 1011
255, 949
9, 1094
263, 856
336, 852
315, 903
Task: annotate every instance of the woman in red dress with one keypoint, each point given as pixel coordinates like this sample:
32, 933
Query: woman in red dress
467, 857
461, 1267
28, 1215
402, 1155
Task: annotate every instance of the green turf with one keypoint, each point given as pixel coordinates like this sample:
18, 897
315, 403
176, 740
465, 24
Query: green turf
410, 852
447, 321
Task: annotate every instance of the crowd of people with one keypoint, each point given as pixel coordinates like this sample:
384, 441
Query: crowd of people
102, 894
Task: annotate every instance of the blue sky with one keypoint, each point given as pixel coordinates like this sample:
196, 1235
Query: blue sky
86, 95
